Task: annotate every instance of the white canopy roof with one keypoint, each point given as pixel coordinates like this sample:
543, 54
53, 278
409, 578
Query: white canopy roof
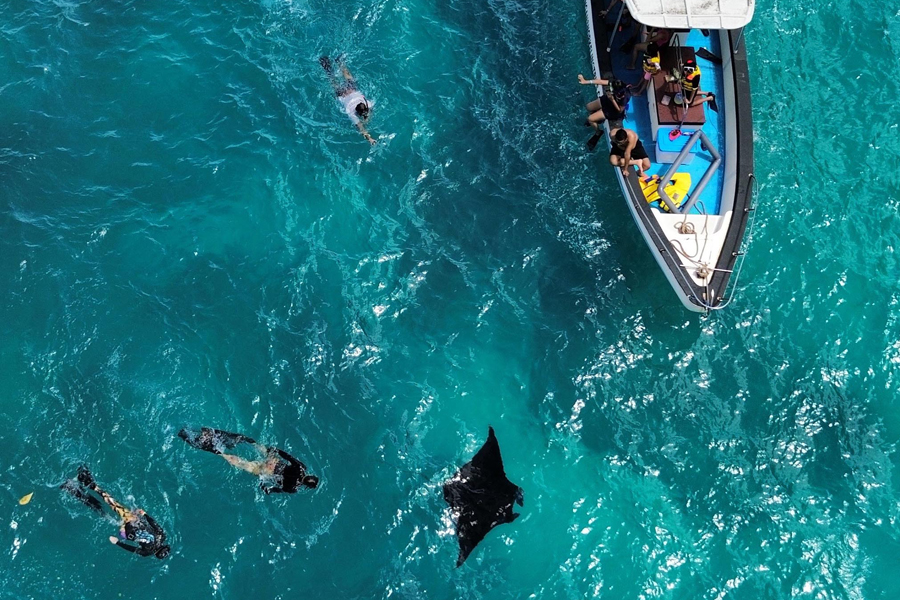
692, 14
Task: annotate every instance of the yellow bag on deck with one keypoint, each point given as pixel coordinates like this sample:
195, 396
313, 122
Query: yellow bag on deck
677, 189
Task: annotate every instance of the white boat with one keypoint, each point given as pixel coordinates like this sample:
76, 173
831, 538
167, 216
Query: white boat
697, 243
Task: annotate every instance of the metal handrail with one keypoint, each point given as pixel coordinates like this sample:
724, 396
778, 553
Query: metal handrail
615, 28
710, 171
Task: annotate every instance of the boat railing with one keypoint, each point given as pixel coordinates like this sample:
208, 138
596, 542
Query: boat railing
737, 44
701, 185
615, 29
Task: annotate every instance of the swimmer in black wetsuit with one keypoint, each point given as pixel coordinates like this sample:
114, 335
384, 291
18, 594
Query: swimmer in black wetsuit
277, 470
134, 526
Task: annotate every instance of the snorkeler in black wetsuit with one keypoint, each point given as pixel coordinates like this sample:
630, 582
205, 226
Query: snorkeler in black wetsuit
134, 526
277, 470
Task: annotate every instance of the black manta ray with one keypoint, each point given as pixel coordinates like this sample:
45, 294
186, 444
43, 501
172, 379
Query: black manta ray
481, 497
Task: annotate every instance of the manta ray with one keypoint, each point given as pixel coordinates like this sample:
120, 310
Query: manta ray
481, 497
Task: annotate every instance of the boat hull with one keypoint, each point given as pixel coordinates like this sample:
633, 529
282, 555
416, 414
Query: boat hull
703, 282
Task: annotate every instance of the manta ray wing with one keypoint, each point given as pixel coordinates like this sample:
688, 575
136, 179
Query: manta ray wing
481, 497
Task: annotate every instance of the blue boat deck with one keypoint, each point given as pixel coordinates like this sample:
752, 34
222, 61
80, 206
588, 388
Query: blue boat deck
638, 115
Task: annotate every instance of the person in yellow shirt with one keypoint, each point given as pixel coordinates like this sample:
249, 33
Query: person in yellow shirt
651, 67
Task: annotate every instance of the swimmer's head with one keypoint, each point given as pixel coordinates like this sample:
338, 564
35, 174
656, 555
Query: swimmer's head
689, 67
311, 481
621, 136
163, 552
362, 110
652, 49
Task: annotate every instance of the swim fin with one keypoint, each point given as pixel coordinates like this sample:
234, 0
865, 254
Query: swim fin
712, 103
326, 63
76, 491
211, 440
704, 53
592, 143
84, 476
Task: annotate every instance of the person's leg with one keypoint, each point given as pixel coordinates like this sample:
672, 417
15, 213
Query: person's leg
111, 502
593, 106
79, 493
205, 440
701, 97
595, 119
642, 165
615, 160
638, 49
642, 87
211, 440
229, 439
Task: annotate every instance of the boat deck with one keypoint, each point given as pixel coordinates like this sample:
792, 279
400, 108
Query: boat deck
638, 114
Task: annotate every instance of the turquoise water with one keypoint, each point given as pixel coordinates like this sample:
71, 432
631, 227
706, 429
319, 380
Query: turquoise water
192, 233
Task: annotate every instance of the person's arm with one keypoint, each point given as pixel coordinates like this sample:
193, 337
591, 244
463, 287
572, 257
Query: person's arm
657, 34
584, 81
270, 489
632, 142
365, 133
615, 103
603, 13
139, 550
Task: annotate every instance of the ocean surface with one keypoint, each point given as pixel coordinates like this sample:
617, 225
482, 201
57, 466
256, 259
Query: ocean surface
192, 233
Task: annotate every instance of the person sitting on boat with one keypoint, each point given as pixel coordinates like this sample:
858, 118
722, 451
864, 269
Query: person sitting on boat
690, 84
611, 105
355, 104
627, 151
651, 67
657, 35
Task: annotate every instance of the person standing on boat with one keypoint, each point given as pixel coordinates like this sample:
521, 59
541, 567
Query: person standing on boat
627, 151
690, 83
355, 104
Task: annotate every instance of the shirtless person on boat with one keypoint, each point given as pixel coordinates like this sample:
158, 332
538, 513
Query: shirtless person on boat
355, 104
627, 150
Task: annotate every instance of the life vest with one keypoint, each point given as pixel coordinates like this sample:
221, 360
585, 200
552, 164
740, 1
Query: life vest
677, 189
651, 64
689, 82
